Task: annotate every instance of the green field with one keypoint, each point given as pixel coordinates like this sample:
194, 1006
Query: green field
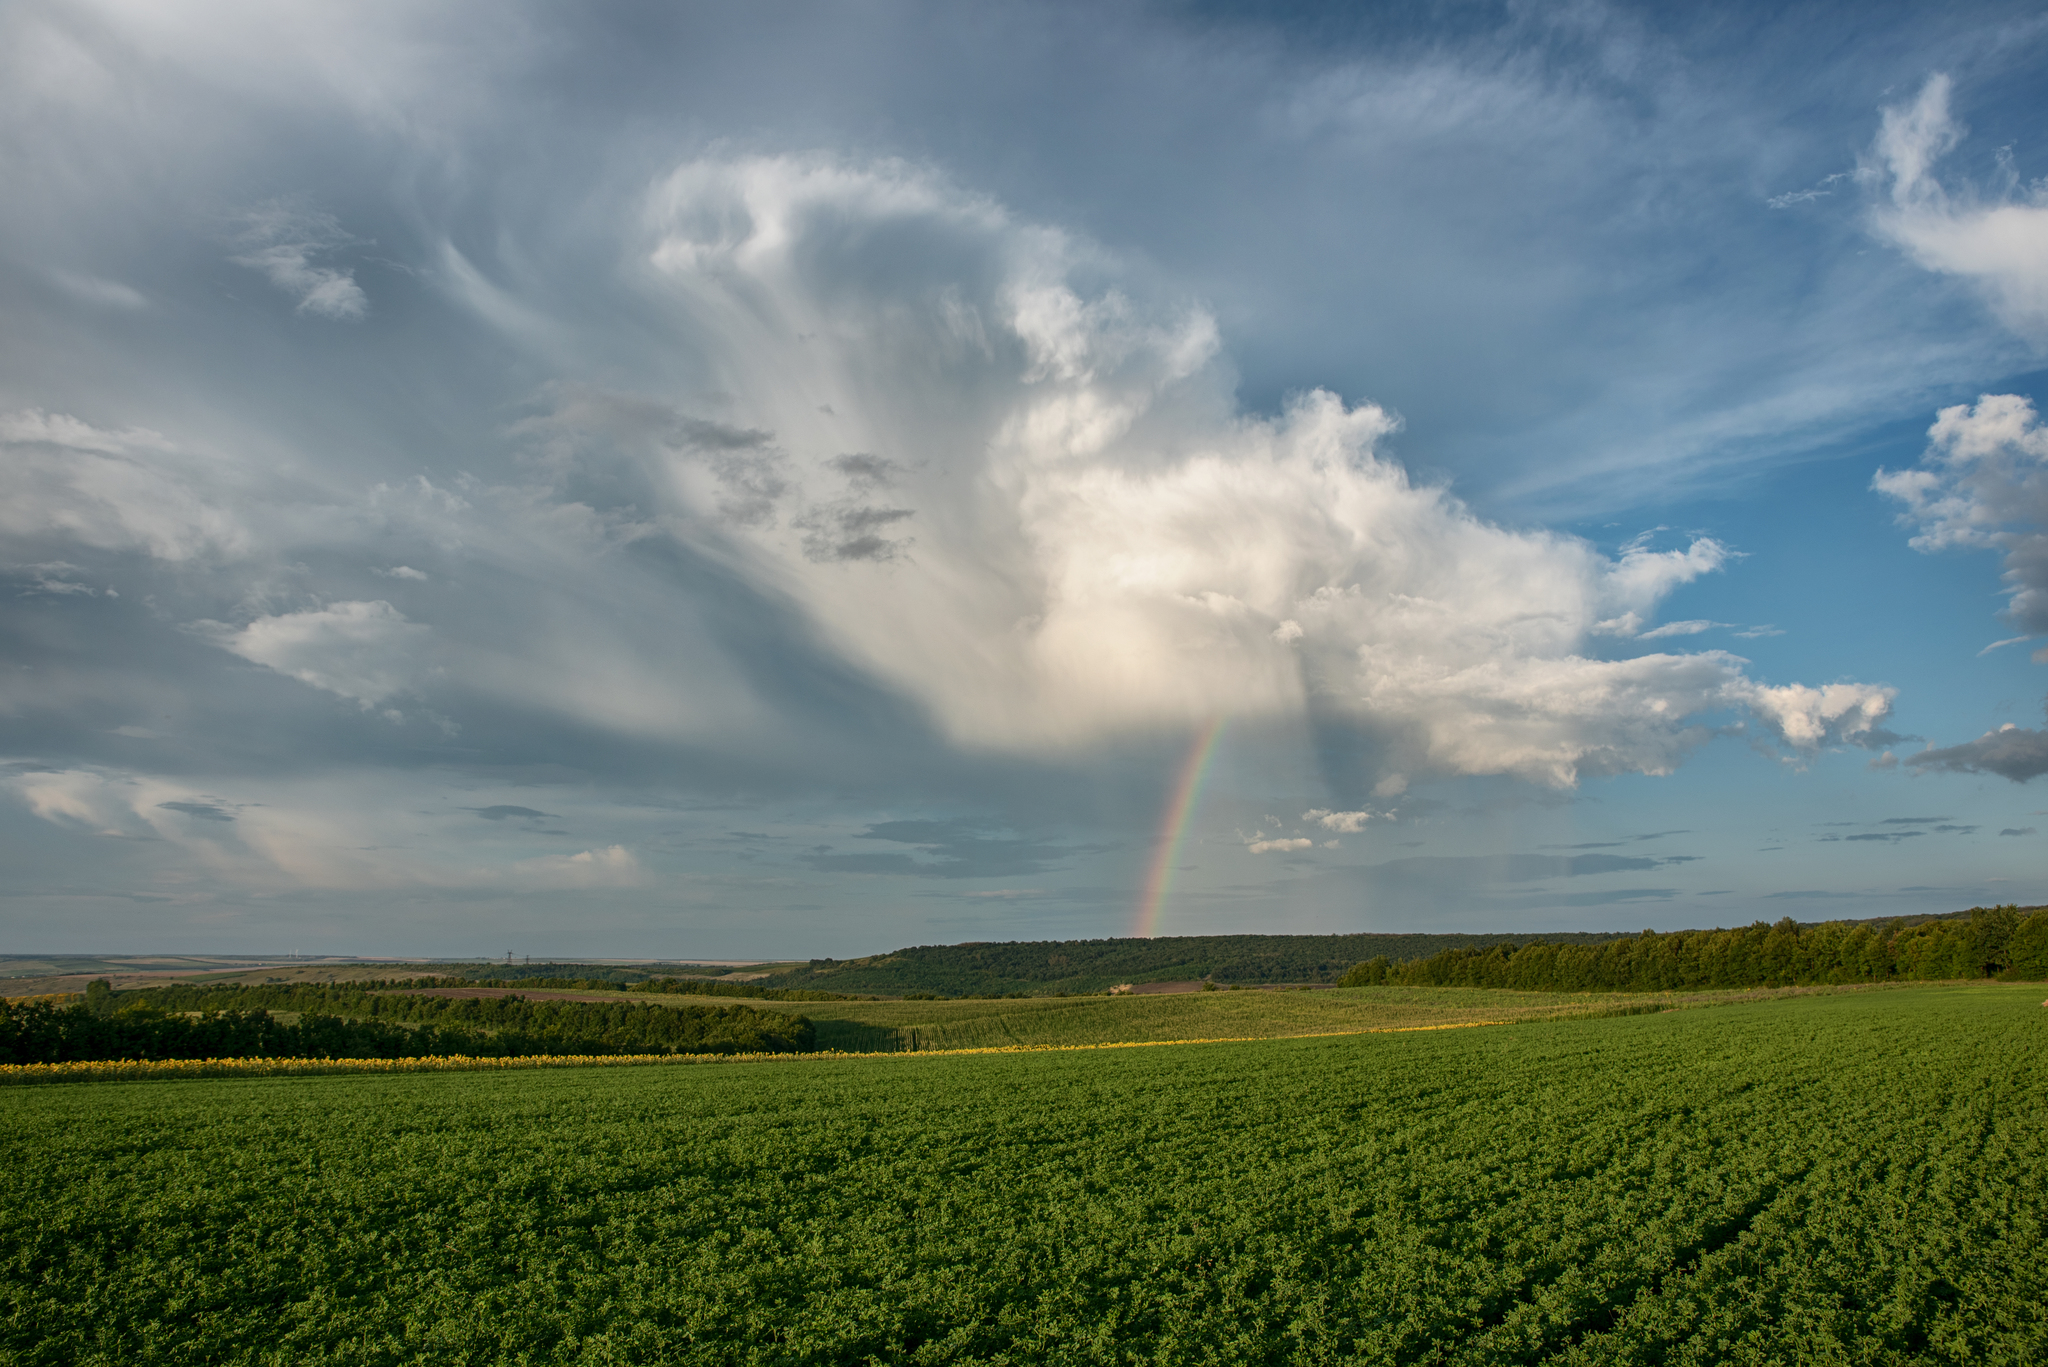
894, 1026
1852, 1178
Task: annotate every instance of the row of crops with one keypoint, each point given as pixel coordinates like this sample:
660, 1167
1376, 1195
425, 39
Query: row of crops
1851, 1177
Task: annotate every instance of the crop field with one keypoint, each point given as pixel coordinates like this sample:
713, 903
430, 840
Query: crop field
891, 1026
1858, 1177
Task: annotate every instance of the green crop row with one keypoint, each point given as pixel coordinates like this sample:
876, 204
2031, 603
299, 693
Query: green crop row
1831, 1178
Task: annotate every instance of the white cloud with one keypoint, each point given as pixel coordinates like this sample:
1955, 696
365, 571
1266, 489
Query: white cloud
1280, 845
283, 242
404, 572
363, 651
1101, 544
1687, 628
1350, 823
1999, 243
127, 490
1983, 482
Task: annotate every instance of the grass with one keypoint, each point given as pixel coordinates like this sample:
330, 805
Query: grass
1846, 1178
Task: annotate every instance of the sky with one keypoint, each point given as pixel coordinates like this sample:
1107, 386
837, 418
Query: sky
706, 481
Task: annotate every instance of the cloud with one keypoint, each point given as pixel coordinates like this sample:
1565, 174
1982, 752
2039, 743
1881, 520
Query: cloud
500, 813
364, 651
611, 867
1689, 628
1349, 823
1093, 517
283, 241
2017, 830
404, 572
1999, 243
1279, 844
122, 490
1983, 482
2010, 752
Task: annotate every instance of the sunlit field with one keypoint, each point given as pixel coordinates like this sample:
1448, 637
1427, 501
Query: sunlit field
1850, 1177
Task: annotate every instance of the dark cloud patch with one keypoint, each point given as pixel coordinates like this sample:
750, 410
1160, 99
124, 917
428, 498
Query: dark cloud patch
205, 811
750, 483
851, 532
501, 813
2017, 830
864, 471
699, 434
1914, 820
2013, 753
1887, 837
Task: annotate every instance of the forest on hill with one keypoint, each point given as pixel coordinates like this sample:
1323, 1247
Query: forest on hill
1046, 967
2009, 942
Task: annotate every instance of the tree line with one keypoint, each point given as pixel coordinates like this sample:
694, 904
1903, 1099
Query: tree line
1989, 942
677, 987
345, 1020
1055, 967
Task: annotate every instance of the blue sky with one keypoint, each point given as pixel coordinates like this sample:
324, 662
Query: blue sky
798, 480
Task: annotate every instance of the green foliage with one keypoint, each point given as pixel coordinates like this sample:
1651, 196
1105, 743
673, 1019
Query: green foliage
1850, 1178
1986, 942
752, 991
99, 997
354, 1020
1044, 967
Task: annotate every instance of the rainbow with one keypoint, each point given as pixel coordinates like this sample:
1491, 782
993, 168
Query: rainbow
1173, 828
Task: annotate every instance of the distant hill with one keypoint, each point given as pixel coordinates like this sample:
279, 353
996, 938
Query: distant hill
1044, 967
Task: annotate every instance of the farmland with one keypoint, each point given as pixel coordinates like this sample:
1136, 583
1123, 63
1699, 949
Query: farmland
1051, 1022
1851, 1177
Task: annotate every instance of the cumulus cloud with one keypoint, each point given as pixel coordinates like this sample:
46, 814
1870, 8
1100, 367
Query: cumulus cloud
1348, 823
1983, 482
2011, 751
1279, 845
991, 475
1104, 546
1999, 242
284, 242
363, 651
